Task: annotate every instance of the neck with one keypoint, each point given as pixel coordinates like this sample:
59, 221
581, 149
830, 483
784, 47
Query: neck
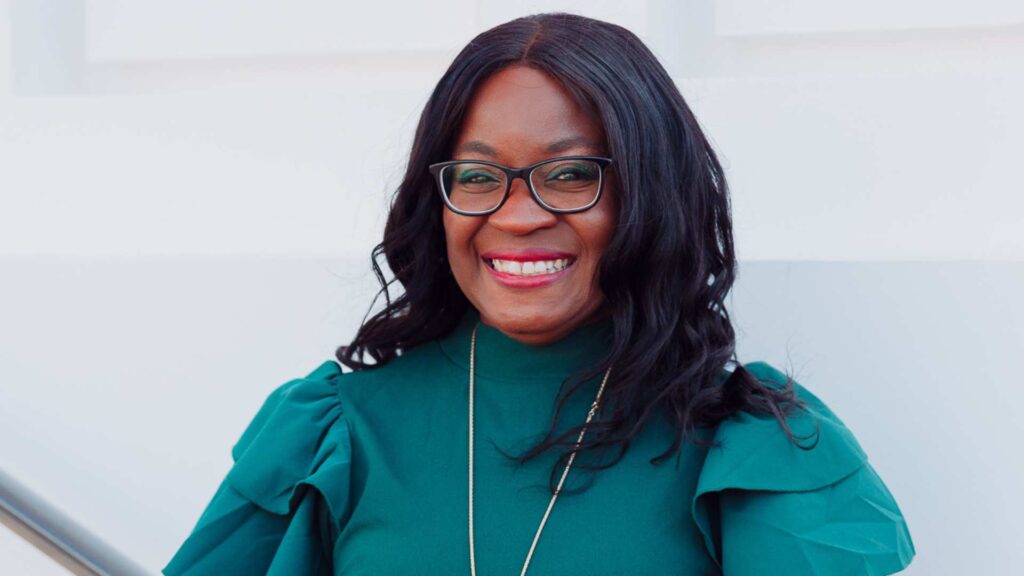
533, 338
501, 357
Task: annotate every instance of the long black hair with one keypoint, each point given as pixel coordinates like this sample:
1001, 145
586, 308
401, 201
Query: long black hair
665, 273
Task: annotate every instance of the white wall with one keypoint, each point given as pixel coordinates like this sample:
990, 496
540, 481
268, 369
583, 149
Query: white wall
188, 205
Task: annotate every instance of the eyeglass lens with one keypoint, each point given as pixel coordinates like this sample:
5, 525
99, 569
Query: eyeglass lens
563, 185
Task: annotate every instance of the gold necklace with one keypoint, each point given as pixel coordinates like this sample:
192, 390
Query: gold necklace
558, 490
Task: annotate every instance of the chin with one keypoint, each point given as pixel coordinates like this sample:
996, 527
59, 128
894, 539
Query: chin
535, 327
520, 321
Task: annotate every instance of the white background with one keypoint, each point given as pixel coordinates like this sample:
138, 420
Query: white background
189, 192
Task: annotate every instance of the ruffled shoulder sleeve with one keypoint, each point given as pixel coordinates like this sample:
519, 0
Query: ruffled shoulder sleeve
767, 507
283, 502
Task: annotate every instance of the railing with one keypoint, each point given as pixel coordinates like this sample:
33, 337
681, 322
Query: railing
58, 536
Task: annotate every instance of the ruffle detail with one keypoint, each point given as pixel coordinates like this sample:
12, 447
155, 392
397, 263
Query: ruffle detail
283, 502
766, 506
297, 426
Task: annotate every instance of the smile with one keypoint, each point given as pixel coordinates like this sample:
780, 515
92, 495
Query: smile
530, 267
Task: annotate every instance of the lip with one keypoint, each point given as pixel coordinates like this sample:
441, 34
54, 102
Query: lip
527, 255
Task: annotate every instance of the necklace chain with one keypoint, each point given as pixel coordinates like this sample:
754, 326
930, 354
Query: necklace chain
561, 481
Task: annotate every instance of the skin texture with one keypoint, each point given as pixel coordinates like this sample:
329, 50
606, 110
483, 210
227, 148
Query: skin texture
518, 113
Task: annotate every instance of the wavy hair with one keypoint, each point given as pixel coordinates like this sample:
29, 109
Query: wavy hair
665, 273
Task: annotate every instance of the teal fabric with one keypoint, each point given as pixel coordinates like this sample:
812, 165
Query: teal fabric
785, 510
366, 473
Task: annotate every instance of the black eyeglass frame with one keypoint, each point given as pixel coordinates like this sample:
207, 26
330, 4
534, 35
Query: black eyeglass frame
525, 172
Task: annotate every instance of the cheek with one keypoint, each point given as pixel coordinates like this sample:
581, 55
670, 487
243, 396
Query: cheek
596, 231
459, 232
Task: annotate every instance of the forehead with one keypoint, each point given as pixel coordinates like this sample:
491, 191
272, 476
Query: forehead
521, 111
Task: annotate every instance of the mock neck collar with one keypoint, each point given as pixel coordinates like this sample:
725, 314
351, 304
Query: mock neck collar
500, 357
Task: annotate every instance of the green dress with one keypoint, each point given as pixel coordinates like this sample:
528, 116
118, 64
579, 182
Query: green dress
365, 473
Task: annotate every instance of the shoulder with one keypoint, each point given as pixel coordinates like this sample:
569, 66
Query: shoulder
813, 508
314, 395
284, 499
759, 445
299, 435
303, 432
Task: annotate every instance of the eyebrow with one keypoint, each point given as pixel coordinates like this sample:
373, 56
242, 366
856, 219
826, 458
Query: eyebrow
554, 148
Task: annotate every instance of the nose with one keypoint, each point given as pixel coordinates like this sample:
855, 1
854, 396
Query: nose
520, 214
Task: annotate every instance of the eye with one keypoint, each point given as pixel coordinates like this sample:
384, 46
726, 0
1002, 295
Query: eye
572, 173
475, 177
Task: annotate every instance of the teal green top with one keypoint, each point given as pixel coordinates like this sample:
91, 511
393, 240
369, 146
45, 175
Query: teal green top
365, 473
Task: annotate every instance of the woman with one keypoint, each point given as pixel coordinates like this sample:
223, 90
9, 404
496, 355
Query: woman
563, 239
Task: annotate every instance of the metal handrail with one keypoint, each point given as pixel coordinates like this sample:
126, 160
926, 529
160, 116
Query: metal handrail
55, 534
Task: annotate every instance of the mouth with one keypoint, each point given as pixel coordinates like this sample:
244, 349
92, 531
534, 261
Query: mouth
531, 268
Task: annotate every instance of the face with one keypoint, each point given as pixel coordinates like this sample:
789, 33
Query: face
520, 116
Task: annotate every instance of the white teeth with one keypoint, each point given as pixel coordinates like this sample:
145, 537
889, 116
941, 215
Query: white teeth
530, 268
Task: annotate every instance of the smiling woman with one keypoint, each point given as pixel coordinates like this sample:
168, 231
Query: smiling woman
564, 241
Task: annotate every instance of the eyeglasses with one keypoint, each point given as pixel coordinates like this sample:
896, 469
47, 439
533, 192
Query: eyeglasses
562, 185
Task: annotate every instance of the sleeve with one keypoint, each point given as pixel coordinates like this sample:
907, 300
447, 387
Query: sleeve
767, 507
283, 502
